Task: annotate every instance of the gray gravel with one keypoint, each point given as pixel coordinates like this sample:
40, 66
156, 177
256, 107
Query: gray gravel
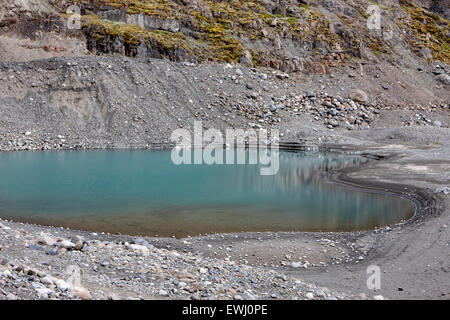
37, 263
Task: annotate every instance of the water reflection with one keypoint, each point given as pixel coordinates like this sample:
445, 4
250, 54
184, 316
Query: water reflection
142, 192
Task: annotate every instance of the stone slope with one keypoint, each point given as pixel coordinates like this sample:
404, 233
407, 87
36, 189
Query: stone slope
103, 102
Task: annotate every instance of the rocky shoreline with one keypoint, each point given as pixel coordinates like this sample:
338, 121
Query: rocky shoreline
38, 262
34, 259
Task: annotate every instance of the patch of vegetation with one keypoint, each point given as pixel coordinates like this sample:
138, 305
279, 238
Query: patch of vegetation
377, 46
156, 8
382, 6
222, 45
304, 6
320, 28
219, 26
427, 30
133, 34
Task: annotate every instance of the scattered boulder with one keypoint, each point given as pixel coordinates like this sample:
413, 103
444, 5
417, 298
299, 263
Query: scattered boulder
142, 249
310, 94
44, 293
46, 239
47, 281
246, 59
443, 78
82, 293
66, 244
309, 295
333, 122
426, 53
437, 123
52, 252
35, 246
358, 96
61, 284
361, 296
444, 190
79, 245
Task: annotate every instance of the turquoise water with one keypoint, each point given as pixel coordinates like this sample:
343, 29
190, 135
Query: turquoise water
142, 192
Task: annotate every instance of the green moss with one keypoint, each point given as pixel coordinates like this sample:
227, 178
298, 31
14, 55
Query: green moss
304, 7
133, 34
266, 17
222, 45
377, 46
158, 8
427, 29
382, 6
218, 36
318, 28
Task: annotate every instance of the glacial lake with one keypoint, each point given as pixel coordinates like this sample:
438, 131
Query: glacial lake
144, 193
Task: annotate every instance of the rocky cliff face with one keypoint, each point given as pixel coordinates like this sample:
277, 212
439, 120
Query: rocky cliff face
304, 36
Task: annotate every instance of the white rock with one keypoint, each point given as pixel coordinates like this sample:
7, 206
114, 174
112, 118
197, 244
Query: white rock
444, 190
82, 293
444, 78
66, 244
358, 96
11, 296
2, 226
163, 293
7, 273
43, 293
143, 249
61, 284
46, 239
309, 295
79, 245
378, 297
437, 123
47, 281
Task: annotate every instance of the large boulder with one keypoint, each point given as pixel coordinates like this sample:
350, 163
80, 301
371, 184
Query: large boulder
246, 59
358, 96
443, 78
